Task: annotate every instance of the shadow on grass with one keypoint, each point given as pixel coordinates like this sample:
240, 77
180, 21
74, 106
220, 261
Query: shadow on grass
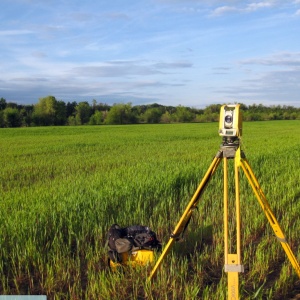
194, 241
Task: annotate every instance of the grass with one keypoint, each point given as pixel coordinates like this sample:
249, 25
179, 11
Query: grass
62, 187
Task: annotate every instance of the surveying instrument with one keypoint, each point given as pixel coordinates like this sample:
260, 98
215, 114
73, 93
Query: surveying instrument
230, 128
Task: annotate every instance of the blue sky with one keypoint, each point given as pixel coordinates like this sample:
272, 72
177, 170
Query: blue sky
172, 52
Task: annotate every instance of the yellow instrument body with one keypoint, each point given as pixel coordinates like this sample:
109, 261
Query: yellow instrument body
135, 258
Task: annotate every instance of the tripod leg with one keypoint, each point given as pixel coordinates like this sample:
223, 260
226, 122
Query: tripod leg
232, 260
269, 214
180, 227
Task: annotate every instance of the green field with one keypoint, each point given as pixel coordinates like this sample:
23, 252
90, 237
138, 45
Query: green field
62, 187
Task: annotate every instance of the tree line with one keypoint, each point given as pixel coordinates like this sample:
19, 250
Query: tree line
50, 112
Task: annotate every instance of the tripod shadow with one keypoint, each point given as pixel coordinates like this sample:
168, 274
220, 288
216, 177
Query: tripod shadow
194, 240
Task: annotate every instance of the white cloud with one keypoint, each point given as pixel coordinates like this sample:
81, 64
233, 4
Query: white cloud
258, 5
223, 10
251, 7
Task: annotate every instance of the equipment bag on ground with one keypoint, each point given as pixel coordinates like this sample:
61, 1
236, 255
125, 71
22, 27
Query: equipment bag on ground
131, 244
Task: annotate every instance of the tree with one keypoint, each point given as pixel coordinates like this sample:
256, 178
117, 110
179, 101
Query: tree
71, 108
96, 118
44, 111
120, 114
211, 109
26, 115
94, 105
49, 111
60, 113
71, 121
1, 119
182, 114
83, 113
11, 117
152, 115
166, 118
2, 103
103, 107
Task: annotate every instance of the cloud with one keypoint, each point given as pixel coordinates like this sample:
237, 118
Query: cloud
113, 70
280, 87
291, 59
30, 79
243, 8
29, 90
38, 54
127, 68
279, 82
70, 82
258, 5
221, 70
223, 10
154, 83
173, 65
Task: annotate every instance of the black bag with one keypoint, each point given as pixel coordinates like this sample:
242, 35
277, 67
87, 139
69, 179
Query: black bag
123, 245
143, 237
132, 238
115, 232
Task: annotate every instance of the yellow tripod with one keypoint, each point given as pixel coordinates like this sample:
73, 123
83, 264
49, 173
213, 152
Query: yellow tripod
233, 264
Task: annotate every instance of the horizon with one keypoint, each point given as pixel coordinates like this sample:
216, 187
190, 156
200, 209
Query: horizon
156, 103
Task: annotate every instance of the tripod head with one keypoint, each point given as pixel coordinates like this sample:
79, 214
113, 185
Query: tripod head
230, 124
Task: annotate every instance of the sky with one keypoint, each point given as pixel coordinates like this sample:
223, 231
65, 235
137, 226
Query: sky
172, 52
